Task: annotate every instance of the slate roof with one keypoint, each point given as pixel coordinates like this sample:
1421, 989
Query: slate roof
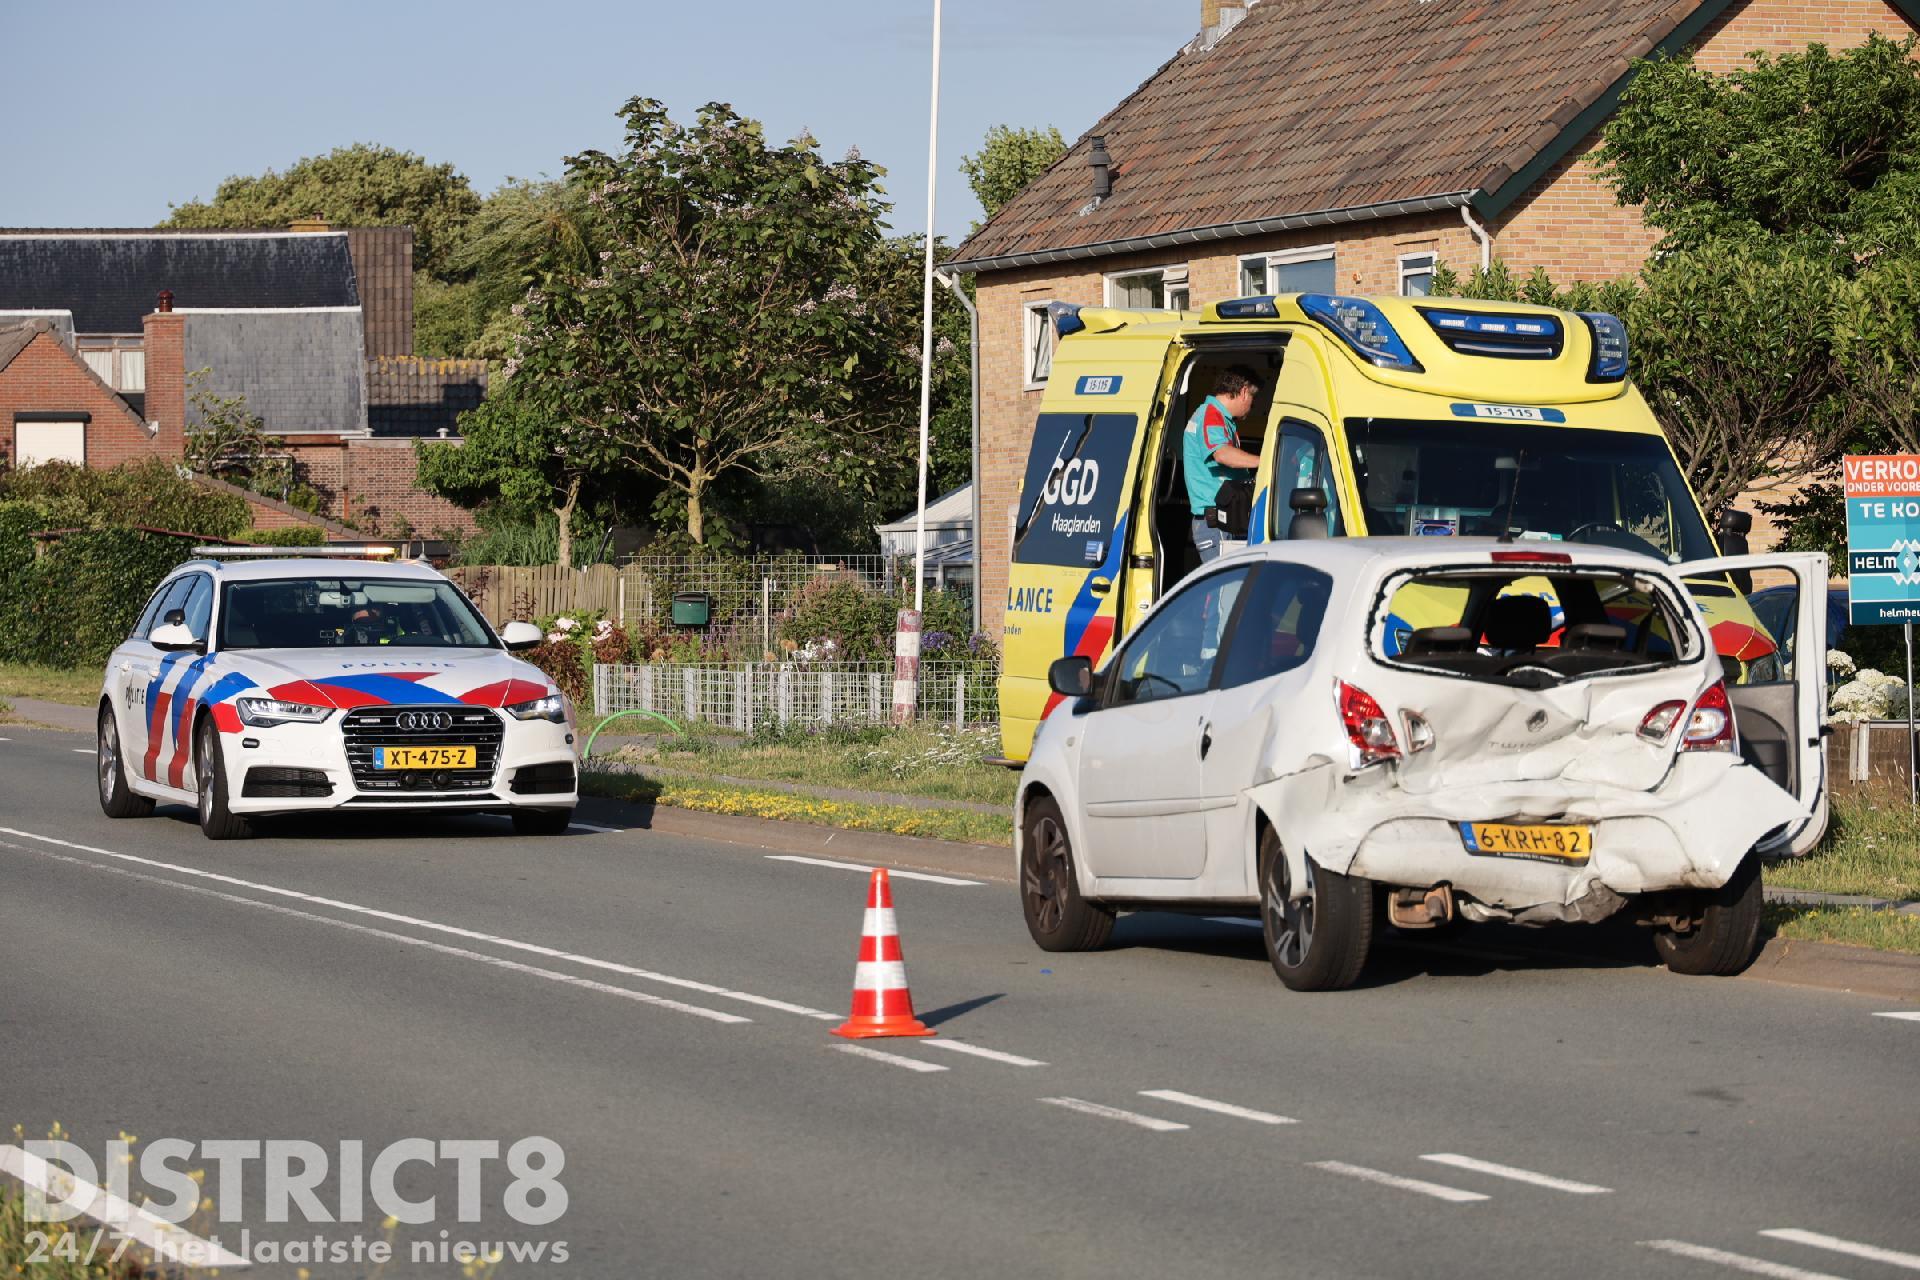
109, 280
301, 371
1340, 111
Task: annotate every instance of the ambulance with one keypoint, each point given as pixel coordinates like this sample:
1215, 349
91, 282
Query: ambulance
1376, 416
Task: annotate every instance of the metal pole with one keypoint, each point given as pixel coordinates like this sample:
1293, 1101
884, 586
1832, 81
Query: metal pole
973, 359
1913, 783
926, 321
766, 615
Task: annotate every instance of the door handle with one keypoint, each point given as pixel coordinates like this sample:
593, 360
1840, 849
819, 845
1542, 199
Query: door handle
1206, 740
1139, 562
1100, 586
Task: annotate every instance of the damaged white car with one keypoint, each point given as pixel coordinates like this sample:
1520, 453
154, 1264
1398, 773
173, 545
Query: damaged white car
1537, 733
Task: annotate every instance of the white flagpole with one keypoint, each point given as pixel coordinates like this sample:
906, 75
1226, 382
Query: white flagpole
926, 325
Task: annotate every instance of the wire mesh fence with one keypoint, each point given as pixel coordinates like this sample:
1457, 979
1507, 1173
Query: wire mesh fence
745, 696
739, 589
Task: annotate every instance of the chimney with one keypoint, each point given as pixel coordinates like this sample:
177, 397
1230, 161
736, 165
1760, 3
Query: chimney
1102, 165
312, 222
1216, 19
165, 304
1209, 14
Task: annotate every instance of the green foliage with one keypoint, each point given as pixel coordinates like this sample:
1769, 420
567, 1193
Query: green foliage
1877, 343
516, 543
362, 185
1008, 160
147, 493
447, 317
230, 442
839, 617
292, 536
70, 605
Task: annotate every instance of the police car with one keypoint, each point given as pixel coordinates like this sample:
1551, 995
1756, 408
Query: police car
256, 683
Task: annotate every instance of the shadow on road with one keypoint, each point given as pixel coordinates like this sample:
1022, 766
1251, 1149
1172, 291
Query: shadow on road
946, 1013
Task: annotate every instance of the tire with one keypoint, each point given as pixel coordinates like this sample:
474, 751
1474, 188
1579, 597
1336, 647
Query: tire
541, 822
116, 800
1058, 918
217, 822
1729, 931
1319, 943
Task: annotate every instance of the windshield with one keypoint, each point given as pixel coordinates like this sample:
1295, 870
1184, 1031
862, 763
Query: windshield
349, 613
1613, 488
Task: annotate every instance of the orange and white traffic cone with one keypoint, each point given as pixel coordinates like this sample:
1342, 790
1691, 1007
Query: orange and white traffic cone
882, 1004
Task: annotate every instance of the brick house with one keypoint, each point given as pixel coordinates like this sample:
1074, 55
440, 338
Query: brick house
314, 326
1342, 148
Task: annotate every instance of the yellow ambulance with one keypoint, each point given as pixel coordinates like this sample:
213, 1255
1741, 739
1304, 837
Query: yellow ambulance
1385, 416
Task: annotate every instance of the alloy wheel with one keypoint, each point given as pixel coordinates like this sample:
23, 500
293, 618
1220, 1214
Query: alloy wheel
203, 771
1289, 922
1046, 872
107, 757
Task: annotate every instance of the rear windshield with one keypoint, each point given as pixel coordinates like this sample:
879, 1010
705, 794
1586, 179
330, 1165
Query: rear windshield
349, 613
1531, 629
1068, 511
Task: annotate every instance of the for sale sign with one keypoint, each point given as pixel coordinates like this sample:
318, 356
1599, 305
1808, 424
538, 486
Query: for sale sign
1883, 537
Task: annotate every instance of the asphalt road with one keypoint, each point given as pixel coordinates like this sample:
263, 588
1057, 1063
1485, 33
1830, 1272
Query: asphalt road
660, 1006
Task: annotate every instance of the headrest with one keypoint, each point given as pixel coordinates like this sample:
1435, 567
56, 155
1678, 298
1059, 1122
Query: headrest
1518, 622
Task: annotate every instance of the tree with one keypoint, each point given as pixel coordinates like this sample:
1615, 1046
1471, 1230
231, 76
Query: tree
230, 442
1877, 344
1008, 160
735, 314
363, 185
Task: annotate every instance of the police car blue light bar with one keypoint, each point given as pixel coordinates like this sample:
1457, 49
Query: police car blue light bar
1066, 318
1609, 363
1257, 308
1362, 326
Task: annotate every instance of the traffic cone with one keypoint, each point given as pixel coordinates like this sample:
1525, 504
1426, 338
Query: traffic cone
882, 1005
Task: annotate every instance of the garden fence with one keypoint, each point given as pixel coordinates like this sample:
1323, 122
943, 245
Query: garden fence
744, 696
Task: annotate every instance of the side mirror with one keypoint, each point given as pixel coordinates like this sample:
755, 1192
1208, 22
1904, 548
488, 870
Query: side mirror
1309, 514
1071, 677
1731, 530
173, 635
520, 635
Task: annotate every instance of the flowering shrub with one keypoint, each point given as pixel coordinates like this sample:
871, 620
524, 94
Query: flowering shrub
574, 642
1869, 695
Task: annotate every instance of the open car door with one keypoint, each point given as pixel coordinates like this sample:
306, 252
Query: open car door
1777, 683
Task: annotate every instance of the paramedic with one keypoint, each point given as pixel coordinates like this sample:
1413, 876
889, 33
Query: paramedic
1211, 452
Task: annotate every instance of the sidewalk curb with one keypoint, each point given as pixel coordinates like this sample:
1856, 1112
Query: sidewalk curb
1836, 967
40, 714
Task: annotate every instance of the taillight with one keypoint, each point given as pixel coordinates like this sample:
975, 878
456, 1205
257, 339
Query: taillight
1368, 728
1660, 721
1710, 726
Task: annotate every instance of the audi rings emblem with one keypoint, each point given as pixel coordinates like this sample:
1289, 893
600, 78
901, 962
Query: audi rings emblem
419, 720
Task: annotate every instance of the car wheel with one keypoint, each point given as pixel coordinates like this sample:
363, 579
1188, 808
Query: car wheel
1723, 942
217, 822
116, 800
541, 822
1319, 942
1057, 916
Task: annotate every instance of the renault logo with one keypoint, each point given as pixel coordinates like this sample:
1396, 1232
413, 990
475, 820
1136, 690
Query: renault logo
418, 720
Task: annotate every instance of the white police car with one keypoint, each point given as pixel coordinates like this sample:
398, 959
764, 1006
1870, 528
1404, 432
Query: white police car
276, 684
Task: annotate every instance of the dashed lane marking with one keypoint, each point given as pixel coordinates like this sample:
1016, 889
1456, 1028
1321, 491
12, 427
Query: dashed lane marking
1439, 1191
175, 1244
1872, 1253
1904, 1016
1223, 1108
1086, 1108
961, 1046
588, 826
1737, 1261
81, 751
864, 869
392, 917
498, 962
894, 1059
1519, 1175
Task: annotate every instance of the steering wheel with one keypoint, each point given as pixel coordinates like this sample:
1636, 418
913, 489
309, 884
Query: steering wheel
1616, 536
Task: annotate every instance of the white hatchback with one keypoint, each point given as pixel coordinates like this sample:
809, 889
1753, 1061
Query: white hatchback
284, 684
1557, 742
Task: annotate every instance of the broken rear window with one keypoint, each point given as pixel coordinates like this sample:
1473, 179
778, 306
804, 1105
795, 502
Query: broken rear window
1532, 629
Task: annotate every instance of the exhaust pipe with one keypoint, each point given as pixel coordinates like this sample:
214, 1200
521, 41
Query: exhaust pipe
1420, 908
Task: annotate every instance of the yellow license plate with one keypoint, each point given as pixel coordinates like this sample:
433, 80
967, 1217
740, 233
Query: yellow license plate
423, 758
1560, 843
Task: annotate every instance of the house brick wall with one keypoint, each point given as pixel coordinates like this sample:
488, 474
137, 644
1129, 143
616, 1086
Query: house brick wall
369, 482
46, 377
166, 403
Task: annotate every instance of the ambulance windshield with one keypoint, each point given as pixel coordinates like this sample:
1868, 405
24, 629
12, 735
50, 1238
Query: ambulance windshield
1544, 483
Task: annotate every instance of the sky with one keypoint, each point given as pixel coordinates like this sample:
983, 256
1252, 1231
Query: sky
177, 96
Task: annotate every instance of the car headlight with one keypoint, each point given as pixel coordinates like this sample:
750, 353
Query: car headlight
264, 713
552, 707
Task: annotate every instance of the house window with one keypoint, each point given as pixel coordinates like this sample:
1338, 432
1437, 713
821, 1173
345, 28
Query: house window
1416, 275
1309, 270
120, 362
1160, 289
1039, 336
50, 441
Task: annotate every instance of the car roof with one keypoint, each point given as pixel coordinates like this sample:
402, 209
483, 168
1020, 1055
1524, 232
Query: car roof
1352, 555
282, 567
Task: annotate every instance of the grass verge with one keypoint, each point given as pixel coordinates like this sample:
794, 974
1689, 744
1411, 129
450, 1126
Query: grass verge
1872, 847
49, 684
901, 820
917, 761
1853, 926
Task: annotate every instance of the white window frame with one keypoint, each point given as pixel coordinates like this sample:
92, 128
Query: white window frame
1173, 281
1035, 314
119, 346
1287, 258
49, 426
1407, 270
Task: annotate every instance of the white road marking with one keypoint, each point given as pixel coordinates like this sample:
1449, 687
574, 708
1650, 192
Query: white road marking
961, 1046
1154, 1123
1519, 1175
471, 935
1434, 1189
911, 1064
175, 1244
1248, 924
1224, 1108
1910, 1017
81, 751
588, 826
1872, 1253
867, 870
498, 962
1738, 1261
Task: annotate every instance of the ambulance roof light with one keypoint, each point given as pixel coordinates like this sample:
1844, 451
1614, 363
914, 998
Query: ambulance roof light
1609, 363
1066, 318
1362, 326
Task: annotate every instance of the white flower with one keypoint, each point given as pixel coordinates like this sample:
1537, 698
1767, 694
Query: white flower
567, 624
1840, 662
555, 637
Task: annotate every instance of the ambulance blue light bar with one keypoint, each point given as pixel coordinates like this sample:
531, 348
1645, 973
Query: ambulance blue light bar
1543, 327
1066, 318
1362, 326
1258, 308
1609, 363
